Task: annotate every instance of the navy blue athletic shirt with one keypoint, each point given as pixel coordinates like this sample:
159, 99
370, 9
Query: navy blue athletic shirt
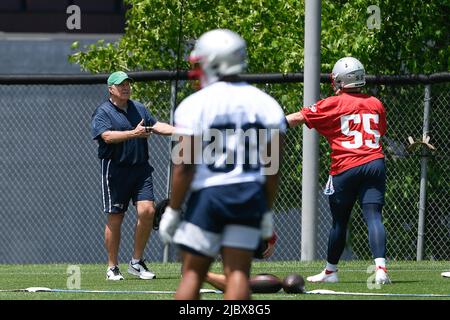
108, 117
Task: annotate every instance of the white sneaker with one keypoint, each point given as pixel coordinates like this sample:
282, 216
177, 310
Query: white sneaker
381, 276
446, 274
324, 276
114, 274
140, 269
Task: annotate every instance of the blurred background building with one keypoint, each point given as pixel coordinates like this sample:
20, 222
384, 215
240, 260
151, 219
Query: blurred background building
35, 39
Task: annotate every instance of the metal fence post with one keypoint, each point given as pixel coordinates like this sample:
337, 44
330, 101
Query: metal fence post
423, 175
173, 101
310, 166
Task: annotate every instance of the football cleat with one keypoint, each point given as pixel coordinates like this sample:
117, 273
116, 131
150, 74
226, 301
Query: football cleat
446, 274
113, 273
140, 269
324, 276
381, 276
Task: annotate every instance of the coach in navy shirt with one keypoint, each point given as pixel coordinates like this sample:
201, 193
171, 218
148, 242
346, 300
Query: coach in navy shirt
121, 126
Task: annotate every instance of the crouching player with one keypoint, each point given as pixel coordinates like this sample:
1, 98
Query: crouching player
264, 251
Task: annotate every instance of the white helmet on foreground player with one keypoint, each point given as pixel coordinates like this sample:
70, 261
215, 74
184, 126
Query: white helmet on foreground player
217, 53
348, 72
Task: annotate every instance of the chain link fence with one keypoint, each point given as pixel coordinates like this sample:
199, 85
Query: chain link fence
51, 191
51, 179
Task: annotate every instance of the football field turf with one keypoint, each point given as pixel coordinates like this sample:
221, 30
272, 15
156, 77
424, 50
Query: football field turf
410, 280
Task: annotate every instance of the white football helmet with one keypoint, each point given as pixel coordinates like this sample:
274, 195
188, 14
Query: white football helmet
217, 53
348, 72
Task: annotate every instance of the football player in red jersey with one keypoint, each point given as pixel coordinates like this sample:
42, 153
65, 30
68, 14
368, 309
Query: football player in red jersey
352, 123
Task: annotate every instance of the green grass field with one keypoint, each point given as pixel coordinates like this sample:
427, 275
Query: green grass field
408, 278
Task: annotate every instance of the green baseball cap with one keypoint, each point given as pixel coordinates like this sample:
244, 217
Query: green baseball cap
117, 78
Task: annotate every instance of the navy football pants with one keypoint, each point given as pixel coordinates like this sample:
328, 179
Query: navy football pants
368, 183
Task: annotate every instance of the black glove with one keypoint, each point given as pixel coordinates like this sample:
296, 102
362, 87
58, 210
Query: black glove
159, 210
262, 247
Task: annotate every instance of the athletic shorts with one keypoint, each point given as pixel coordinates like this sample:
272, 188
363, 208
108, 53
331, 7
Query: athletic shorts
120, 184
222, 216
366, 182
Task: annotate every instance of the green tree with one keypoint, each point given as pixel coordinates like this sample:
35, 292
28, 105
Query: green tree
413, 35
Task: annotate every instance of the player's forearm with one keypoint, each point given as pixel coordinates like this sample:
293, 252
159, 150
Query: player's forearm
271, 186
118, 136
162, 128
218, 281
181, 181
295, 119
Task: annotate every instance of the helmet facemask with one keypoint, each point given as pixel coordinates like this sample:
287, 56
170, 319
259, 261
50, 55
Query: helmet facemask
217, 53
196, 72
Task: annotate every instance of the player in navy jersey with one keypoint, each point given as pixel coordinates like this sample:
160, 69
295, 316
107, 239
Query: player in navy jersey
121, 126
225, 130
353, 124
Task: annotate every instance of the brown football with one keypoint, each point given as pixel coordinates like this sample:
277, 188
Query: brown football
265, 283
294, 283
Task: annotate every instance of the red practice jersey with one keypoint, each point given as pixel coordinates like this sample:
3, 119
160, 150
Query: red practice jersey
353, 124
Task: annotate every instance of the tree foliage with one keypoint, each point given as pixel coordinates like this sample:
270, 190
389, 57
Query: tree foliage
413, 34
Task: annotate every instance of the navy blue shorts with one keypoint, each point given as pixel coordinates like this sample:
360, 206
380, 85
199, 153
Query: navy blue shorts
366, 182
222, 216
120, 184
214, 207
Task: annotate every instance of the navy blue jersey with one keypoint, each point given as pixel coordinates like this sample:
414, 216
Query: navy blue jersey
108, 117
